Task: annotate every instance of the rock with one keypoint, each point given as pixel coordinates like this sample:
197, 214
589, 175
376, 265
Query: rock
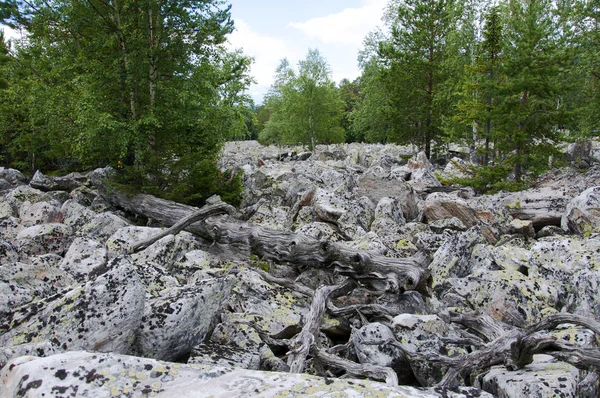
22, 194
370, 349
85, 259
543, 378
506, 295
6, 210
451, 260
523, 227
102, 226
388, 220
4, 185
561, 259
440, 206
44, 238
66, 183
97, 374
21, 283
275, 310
76, 215
224, 355
493, 258
167, 251
12, 176
101, 315
582, 215
39, 213
180, 318
443, 224
8, 254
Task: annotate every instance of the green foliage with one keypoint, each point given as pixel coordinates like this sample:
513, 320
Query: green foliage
147, 85
489, 179
305, 107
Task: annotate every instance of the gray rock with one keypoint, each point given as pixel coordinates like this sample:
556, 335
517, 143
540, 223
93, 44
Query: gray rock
543, 378
75, 214
224, 355
97, 374
452, 259
24, 193
523, 227
44, 238
84, 259
102, 315
167, 251
39, 213
6, 210
180, 318
582, 215
13, 176
443, 224
420, 334
21, 283
102, 226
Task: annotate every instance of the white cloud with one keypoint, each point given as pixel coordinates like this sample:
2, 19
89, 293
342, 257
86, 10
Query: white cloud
347, 27
267, 51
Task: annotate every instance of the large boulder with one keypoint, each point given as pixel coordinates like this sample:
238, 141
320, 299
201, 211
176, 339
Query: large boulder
85, 258
39, 213
180, 318
98, 375
582, 215
44, 238
102, 315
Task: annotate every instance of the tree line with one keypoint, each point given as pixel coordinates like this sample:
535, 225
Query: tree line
149, 87
511, 80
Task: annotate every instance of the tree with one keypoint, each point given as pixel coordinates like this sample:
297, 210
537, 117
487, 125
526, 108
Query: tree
530, 96
416, 56
144, 84
306, 107
349, 92
480, 84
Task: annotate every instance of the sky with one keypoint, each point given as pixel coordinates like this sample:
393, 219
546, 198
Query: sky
270, 30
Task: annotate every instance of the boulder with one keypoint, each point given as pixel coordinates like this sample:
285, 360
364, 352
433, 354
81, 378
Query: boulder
65, 183
179, 319
85, 259
12, 176
371, 348
582, 215
545, 377
21, 283
102, 226
76, 215
98, 374
39, 213
420, 334
224, 355
102, 315
44, 238
167, 251
506, 295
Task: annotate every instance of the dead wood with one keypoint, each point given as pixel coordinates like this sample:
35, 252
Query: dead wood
381, 273
302, 343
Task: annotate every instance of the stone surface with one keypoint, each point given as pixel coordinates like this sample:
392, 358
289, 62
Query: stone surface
582, 215
44, 238
180, 318
98, 375
84, 259
101, 315
543, 378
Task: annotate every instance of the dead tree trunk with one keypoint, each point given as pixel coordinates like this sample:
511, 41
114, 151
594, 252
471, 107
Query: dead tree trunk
381, 273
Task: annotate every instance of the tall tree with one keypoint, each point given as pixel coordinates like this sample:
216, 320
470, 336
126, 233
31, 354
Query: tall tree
530, 97
417, 54
147, 84
306, 107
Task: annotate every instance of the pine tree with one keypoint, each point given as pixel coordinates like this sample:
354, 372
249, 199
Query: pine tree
529, 98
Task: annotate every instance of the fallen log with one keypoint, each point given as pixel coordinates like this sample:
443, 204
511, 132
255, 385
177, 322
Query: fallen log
384, 274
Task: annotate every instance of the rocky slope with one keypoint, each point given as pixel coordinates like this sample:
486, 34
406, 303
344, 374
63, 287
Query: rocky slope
350, 261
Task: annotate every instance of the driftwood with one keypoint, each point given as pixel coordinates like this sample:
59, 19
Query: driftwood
383, 274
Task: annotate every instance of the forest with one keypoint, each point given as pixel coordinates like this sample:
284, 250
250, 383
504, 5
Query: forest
151, 89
